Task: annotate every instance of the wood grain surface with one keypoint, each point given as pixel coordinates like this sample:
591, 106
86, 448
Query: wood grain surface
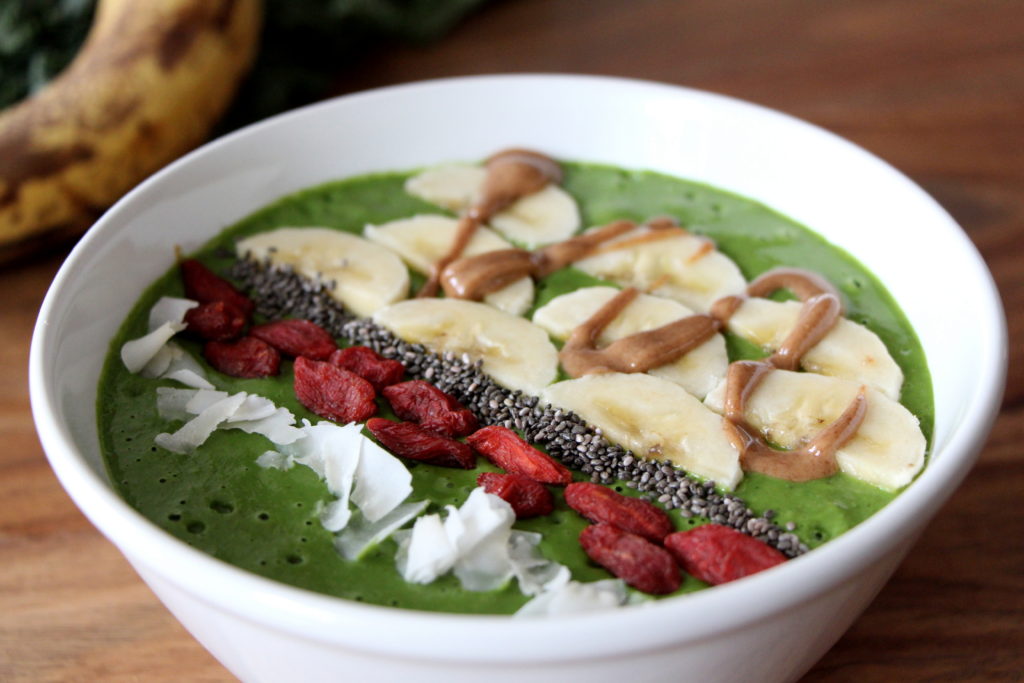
935, 88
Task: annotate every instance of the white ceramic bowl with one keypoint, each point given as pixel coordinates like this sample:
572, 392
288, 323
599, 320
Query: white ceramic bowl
772, 626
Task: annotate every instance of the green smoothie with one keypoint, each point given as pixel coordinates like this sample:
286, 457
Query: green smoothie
267, 521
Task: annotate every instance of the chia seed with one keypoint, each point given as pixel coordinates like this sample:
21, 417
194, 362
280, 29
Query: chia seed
279, 292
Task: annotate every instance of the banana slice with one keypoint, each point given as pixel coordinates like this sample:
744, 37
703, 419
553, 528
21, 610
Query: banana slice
850, 351
366, 276
423, 240
654, 418
698, 372
452, 186
791, 407
677, 264
544, 217
515, 352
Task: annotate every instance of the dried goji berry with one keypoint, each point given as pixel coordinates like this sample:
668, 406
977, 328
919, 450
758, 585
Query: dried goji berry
248, 357
433, 409
632, 558
203, 285
601, 504
528, 497
331, 392
296, 337
368, 364
718, 554
409, 440
510, 452
215, 320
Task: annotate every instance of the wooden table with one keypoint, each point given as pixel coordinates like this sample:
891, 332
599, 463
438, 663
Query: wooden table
936, 88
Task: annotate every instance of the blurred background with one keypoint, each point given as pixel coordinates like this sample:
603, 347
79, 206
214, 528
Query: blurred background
935, 88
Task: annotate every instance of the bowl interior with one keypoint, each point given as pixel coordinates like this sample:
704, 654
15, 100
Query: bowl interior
852, 198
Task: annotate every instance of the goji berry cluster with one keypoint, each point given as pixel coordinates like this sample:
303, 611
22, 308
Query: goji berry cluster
220, 319
630, 537
633, 539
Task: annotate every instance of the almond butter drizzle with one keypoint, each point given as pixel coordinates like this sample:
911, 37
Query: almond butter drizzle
652, 234
473, 277
821, 310
636, 353
815, 460
557, 256
511, 175
642, 351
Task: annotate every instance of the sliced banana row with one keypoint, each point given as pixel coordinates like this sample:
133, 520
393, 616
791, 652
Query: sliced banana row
655, 414
849, 351
366, 276
789, 408
699, 371
421, 241
671, 263
544, 217
654, 418
515, 352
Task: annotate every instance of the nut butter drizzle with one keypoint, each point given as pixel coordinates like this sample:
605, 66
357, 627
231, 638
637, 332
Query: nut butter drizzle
473, 277
511, 175
820, 312
516, 173
638, 352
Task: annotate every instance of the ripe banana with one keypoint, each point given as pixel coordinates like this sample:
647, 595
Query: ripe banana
148, 84
423, 240
699, 371
544, 217
789, 408
515, 352
366, 276
671, 263
654, 418
850, 350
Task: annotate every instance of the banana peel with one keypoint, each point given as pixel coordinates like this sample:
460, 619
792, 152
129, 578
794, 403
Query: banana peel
148, 85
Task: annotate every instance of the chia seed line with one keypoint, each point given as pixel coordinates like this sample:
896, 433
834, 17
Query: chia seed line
279, 292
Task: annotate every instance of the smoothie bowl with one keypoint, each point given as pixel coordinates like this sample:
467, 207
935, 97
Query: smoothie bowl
252, 539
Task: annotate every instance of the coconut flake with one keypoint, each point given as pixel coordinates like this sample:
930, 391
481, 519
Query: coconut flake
197, 430
275, 460
154, 357
535, 573
189, 378
135, 354
160, 363
340, 460
175, 363
487, 567
204, 398
483, 563
472, 540
171, 403
382, 481
576, 598
278, 427
254, 407
426, 553
311, 449
362, 534
169, 309
183, 368
335, 515
482, 515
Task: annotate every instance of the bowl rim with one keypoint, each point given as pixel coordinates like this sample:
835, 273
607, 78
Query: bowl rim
428, 634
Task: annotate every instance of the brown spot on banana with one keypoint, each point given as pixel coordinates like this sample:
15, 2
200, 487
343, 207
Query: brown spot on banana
147, 86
